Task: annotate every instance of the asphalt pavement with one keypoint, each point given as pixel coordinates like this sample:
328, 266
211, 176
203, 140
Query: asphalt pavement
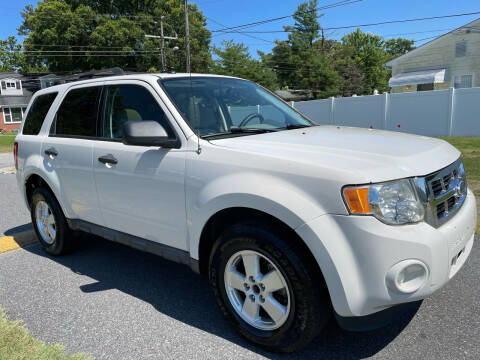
13, 211
114, 302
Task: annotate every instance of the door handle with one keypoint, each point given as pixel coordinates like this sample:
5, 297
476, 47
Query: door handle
52, 152
108, 159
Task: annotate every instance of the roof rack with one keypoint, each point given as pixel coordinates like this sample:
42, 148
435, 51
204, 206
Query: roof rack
115, 71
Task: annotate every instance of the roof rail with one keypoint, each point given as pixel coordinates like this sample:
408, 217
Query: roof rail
115, 71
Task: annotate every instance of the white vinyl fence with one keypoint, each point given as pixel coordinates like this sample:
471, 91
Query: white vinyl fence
453, 112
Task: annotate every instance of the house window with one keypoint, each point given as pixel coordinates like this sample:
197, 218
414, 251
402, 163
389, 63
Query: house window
13, 115
425, 87
463, 81
461, 48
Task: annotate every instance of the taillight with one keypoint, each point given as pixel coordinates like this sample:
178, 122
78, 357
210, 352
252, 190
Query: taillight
15, 154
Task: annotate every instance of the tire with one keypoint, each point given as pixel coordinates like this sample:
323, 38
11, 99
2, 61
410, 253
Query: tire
56, 245
304, 300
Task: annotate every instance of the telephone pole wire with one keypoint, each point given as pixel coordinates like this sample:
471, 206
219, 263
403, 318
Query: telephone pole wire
187, 37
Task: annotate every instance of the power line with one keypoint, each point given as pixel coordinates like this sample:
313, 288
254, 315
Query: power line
77, 55
365, 25
261, 22
250, 36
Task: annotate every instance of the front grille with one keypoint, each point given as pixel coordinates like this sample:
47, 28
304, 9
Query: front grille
443, 192
442, 184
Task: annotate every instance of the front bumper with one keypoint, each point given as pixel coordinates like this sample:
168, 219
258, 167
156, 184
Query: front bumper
356, 252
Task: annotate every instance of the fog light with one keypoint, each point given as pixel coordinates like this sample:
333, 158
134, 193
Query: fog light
407, 276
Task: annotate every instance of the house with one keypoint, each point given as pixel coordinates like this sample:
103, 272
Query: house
14, 98
450, 60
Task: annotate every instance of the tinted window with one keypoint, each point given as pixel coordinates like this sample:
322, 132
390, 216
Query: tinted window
37, 113
77, 115
130, 103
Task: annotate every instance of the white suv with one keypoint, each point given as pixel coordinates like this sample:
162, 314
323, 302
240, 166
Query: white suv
290, 220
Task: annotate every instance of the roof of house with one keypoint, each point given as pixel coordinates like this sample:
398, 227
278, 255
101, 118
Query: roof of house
28, 88
431, 42
10, 75
9, 100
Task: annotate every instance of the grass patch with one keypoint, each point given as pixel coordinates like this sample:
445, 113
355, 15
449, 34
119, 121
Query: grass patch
16, 343
470, 148
6, 143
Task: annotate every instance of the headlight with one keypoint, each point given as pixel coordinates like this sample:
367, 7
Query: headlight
393, 202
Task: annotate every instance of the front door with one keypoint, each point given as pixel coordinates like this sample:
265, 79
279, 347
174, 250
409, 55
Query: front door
140, 189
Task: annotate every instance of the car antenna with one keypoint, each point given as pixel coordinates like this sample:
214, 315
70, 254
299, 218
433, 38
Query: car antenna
199, 148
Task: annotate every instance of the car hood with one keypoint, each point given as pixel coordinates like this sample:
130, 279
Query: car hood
366, 155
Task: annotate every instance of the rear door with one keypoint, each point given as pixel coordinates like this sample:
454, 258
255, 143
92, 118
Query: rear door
140, 189
68, 151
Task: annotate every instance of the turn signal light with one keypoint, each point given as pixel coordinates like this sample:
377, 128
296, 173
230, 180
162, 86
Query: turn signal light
357, 200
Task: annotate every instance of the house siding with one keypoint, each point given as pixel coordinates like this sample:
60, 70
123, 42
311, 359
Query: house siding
441, 55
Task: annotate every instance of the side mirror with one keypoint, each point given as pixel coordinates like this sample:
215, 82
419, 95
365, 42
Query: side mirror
147, 133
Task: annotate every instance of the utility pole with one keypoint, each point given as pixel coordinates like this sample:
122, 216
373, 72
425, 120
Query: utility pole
164, 59
162, 37
187, 37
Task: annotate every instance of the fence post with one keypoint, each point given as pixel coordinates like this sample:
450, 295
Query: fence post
451, 111
332, 110
385, 110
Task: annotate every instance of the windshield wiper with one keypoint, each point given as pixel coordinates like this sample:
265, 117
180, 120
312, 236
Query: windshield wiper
295, 126
242, 130
238, 130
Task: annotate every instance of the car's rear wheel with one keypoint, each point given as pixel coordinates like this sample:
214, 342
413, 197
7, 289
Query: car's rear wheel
49, 223
266, 288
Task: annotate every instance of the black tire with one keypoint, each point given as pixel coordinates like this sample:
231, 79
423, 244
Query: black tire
310, 306
63, 238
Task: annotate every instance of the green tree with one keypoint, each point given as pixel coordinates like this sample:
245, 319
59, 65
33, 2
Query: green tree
235, 60
399, 46
351, 80
368, 52
93, 34
12, 57
301, 61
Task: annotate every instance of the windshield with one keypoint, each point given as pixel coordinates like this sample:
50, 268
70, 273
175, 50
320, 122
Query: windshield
222, 106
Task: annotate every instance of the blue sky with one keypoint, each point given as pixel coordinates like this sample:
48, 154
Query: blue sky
237, 12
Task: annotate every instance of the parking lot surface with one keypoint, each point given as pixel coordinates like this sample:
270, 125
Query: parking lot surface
114, 302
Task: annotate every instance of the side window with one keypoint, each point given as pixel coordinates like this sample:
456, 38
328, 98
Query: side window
130, 103
37, 113
77, 116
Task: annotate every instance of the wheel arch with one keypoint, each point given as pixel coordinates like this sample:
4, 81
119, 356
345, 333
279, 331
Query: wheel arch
34, 180
225, 218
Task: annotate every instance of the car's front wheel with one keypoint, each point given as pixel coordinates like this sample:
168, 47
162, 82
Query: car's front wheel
266, 288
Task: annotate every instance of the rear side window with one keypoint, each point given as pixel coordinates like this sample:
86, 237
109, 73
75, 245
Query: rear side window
38, 112
77, 116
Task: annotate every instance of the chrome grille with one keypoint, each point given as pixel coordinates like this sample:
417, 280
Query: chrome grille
442, 193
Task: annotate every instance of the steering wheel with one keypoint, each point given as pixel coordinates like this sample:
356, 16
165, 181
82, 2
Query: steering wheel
250, 118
